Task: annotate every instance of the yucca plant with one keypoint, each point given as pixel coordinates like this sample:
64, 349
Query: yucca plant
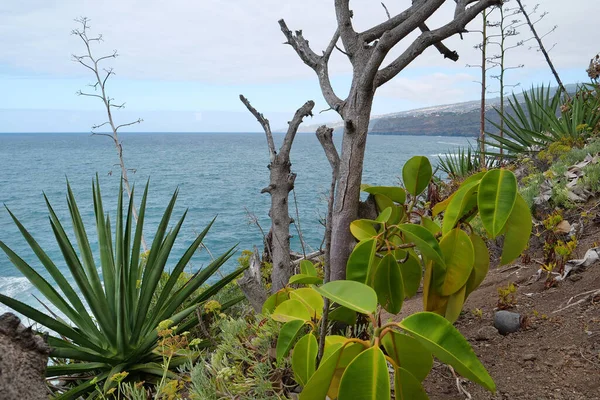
112, 326
526, 125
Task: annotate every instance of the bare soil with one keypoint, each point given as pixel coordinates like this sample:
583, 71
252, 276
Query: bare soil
556, 355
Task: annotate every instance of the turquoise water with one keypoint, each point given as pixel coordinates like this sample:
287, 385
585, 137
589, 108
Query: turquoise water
216, 174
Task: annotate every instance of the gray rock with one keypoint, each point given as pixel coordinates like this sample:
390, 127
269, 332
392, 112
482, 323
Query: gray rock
507, 322
486, 333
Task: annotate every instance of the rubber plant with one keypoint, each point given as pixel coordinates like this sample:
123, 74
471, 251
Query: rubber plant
384, 268
111, 322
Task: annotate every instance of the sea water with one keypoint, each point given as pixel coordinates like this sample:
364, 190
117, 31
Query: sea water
218, 174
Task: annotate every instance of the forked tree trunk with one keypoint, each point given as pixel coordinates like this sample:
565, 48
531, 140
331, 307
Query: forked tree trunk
281, 183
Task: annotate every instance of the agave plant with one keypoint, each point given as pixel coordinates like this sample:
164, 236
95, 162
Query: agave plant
526, 126
464, 162
112, 326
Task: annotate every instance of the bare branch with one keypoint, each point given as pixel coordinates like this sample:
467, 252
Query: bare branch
386, 10
446, 52
265, 125
325, 136
80, 93
102, 134
139, 121
376, 32
101, 125
344, 20
463, 17
294, 124
318, 63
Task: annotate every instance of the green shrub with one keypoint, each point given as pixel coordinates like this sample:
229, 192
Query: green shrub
120, 334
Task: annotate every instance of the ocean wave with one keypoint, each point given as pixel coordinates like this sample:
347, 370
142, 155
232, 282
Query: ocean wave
13, 286
450, 143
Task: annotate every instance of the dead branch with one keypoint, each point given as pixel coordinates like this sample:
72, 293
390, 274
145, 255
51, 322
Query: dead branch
265, 125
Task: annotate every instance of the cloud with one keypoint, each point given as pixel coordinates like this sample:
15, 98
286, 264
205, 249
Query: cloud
237, 41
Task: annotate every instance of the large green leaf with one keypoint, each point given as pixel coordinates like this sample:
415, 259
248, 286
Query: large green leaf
459, 256
304, 358
366, 377
407, 386
287, 335
416, 174
343, 314
303, 279
290, 310
360, 260
325, 381
276, 299
518, 231
353, 295
394, 193
388, 284
496, 199
461, 202
425, 242
308, 268
411, 274
480, 266
455, 304
408, 353
363, 229
438, 335
311, 299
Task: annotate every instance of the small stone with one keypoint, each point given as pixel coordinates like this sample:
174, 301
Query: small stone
486, 333
575, 278
507, 322
529, 357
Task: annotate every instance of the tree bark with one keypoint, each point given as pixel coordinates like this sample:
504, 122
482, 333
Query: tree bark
251, 283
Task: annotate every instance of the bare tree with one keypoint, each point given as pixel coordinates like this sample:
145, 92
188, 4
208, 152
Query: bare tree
539, 38
484, 67
366, 51
281, 183
98, 90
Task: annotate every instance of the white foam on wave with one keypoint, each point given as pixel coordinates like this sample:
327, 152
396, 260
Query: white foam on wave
450, 143
16, 287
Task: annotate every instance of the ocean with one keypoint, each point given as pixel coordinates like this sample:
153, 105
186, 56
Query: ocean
218, 174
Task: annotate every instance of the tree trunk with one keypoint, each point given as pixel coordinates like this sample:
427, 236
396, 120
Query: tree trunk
282, 182
357, 116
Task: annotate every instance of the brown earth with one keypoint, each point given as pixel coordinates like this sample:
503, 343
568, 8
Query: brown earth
557, 354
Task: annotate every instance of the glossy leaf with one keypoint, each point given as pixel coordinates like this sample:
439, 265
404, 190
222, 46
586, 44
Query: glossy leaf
325, 381
411, 275
311, 299
303, 279
408, 353
332, 343
394, 193
416, 174
308, 268
432, 300
366, 377
362, 229
384, 216
481, 265
290, 310
425, 242
496, 199
304, 358
455, 304
353, 295
287, 335
431, 225
462, 201
407, 386
388, 284
360, 260
343, 314
275, 299
460, 257
383, 203
438, 335
518, 231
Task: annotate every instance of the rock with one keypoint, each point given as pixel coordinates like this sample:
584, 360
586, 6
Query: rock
507, 322
23, 360
486, 333
529, 357
575, 278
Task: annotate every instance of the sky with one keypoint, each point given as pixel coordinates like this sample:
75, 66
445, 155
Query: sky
183, 63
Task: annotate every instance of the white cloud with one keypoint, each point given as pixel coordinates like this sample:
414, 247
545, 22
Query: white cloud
237, 41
